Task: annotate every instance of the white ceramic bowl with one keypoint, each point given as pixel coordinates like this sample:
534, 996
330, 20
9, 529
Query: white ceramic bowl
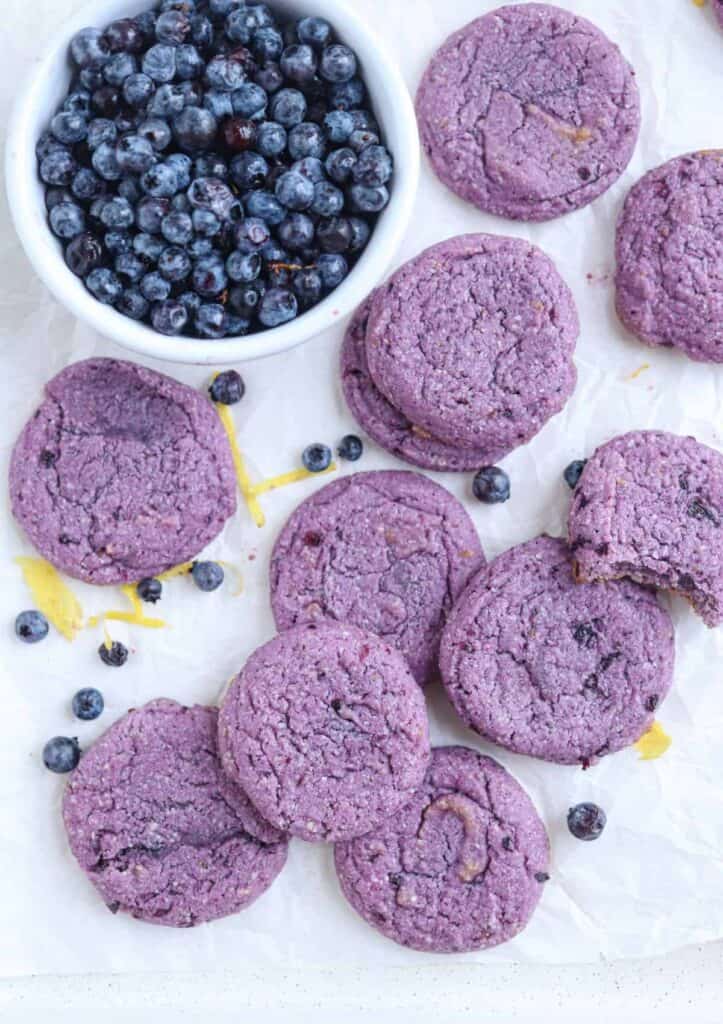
45, 89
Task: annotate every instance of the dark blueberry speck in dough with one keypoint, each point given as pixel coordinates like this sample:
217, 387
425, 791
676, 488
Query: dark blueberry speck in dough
550, 668
158, 828
460, 867
387, 551
121, 473
669, 280
473, 340
649, 505
529, 112
326, 731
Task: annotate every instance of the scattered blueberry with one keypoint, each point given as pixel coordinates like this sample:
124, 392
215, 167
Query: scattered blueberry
88, 704
115, 656
61, 754
573, 472
207, 576
316, 457
227, 388
491, 485
350, 448
31, 626
586, 821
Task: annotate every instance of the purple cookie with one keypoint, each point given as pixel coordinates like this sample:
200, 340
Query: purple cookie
529, 112
718, 10
474, 339
326, 731
649, 505
669, 280
460, 867
385, 424
550, 668
121, 473
159, 829
387, 551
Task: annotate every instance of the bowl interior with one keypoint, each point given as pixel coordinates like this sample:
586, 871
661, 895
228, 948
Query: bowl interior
45, 90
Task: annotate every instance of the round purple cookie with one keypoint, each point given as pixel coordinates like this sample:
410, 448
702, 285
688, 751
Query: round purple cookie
157, 826
473, 340
121, 473
669, 279
549, 668
718, 10
385, 424
326, 731
649, 505
460, 867
387, 551
529, 112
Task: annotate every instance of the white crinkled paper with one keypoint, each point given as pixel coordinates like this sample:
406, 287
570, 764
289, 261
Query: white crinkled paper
654, 882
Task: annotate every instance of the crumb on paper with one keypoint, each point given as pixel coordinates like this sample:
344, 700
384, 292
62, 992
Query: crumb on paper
636, 373
654, 743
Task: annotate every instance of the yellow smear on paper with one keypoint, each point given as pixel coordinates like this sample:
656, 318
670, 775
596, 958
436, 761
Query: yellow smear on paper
654, 743
244, 481
52, 596
294, 476
636, 373
699, 3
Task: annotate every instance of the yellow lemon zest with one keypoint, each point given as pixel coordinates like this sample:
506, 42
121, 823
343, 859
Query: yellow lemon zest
699, 3
177, 570
244, 481
654, 743
107, 638
636, 373
283, 479
52, 595
133, 618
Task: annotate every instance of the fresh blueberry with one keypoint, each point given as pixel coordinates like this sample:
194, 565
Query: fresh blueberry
189, 63
311, 167
239, 133
191, 300
67, 220
160, 181
148, 247
361, 138
334, 234
350, 448
374, 167
207, 576
347, 95
69, 128
573, 472
173, 27
491, 485
264, 205
227, 388
133, 304
78, 102
296, 232
224, 74
150, 590
235, 326
88, 704
586, 821
167, 101
86, 185
328, 200
245, 299
306, 139
89, 48
249, 100
307, 286
288, 107
218, 103
104, 284
251, 233
31, 627
333, 269
155, 287
214, 195
150, 212
119, 67
210, 321
159, 63
267, 44
248, 170
117, 213
169, 317
105, 163
360, 232
338, 125
61, 754
220, 8
101, 130
58, 167
129, 267
210, 165
91, 78
195, 128
338, 63
129, 189
298, 63
271, 139
83, 254
209, 276
316, 457
314, 31
157, 131
177, 228
340, 164
47, 143
53, 196
270, 77
278, 306
243, 266
183, 166
294, 191
146, 25
201, 31
205, 223
240, 25
124, 36
174, 263
106, 101
366, 199
115, 655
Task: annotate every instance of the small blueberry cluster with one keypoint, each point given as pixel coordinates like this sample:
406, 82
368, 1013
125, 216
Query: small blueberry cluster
213, 171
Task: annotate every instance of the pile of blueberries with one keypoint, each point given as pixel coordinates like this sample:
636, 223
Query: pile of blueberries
213, 171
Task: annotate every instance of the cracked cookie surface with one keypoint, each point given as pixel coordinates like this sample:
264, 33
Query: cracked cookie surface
387, 551
326, 730
385, 424
121, 473
553, 669
460, 867
159, 829
649, 505
528, 112
474, 340
669, 278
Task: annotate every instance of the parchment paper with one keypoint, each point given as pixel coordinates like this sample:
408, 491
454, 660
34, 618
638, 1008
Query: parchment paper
654, 882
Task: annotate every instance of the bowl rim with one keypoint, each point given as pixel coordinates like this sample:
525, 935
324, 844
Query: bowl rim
25, 193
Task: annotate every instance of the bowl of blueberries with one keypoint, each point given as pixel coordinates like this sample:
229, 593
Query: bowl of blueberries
211, 181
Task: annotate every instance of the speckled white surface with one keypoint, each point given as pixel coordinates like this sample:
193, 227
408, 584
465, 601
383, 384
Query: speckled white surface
664, 989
